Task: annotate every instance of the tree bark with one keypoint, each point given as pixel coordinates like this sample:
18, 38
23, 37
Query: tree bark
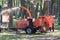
24, 3
36, 10
58, 6
10, 3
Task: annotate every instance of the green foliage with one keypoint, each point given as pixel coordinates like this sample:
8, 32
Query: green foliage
0, 2
57, 27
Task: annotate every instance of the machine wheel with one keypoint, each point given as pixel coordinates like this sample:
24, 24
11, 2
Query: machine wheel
15, 29
29, 30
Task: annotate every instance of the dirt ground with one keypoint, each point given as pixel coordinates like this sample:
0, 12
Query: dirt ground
42, 36
37, 36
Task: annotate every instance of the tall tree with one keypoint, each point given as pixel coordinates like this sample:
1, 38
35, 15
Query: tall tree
36, 10
23, 3
2, 3
41, 7
10, 3
58, 6
48, 7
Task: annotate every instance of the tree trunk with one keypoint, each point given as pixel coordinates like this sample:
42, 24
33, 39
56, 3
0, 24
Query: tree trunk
58, 6
10, 3
14, 3
36, 10
32, 9
2, 3
48, 7
24, 3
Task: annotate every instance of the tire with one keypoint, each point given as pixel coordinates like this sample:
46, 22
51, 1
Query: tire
29, 30
16, 30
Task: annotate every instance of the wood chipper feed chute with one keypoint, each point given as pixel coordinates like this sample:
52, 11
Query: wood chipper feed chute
27, 10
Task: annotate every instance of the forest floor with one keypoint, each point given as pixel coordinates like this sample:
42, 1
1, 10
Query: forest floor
37, 36
7, 35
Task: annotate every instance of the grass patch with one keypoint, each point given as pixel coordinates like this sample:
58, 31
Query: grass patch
57, 27
8, 37
23, 36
